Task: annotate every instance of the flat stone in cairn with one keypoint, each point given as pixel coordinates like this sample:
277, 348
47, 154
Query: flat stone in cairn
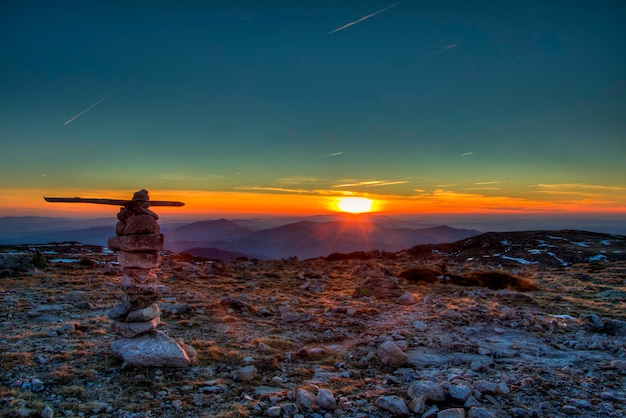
152, 349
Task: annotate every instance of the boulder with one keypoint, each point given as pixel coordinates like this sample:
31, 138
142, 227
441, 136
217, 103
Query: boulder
391, 355
153, 349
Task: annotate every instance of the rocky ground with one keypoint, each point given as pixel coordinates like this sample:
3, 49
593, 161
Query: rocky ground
307, 338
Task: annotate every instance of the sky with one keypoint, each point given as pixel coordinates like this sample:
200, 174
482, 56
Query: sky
262, 106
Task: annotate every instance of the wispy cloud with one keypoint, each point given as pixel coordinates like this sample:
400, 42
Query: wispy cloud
346, 26
580, 186
486, 182
371, 183
273, 189
334, 154
89, 108
443, 49
465, 154
298, 180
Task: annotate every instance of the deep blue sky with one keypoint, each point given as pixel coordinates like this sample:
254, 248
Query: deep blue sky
496, 99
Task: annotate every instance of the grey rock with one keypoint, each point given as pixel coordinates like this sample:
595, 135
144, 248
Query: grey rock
273, 411
326, 399
389, 354
393, 404
290, 409
119, 310
432, 391
47, 412
486, 387
417, 405
153, 349
479, 412
245, 374
471, 402
36, 385
459, 392
139, 260
138, 243
420, 326
133, 329
406, 299
288, 314
306, 399
141, 225
452, 413
144, 314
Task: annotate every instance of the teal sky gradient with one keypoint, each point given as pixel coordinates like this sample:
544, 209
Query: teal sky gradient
236, 95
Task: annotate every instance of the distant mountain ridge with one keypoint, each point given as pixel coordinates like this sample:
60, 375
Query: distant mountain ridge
306, 238
309, 239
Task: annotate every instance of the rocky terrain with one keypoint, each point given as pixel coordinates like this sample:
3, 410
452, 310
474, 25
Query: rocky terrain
522, 324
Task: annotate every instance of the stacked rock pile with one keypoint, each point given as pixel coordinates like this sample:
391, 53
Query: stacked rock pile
138, 241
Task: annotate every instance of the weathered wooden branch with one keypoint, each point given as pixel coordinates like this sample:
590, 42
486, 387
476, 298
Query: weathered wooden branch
116, 202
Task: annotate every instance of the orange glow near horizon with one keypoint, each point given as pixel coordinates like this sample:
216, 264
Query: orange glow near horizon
23, 202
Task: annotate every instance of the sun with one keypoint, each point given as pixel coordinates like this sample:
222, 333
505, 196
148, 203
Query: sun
355, 204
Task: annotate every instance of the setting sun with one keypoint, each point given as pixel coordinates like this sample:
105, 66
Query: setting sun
355, 204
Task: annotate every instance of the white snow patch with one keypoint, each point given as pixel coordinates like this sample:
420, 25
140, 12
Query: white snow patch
505, 242
553, 237
563, 263
599, 257
519, 260
581, 244
542, 243
64, 260
605, 242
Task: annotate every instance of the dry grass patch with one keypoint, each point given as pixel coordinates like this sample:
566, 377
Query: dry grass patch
11, 360
63, 374
276, 343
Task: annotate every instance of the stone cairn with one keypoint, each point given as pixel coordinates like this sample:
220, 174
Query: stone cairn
138, 241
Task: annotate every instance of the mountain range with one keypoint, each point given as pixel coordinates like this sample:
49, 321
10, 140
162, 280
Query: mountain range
257, 238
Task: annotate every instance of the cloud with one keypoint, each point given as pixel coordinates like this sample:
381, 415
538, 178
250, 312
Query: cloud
372, 183
346, 26
465, 154
581, 186
298, 180
334, 154
273, 189
443, 49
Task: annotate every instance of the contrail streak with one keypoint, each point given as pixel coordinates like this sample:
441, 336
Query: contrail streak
89, 108
442, 50
362, 19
